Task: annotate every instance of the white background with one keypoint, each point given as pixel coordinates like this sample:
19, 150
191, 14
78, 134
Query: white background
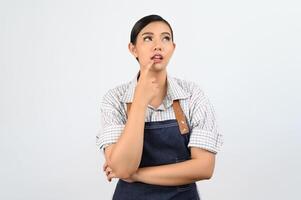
58, 58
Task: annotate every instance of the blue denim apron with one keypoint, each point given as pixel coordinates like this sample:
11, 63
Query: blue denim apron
163, 144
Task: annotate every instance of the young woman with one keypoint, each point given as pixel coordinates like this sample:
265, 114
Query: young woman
159, 133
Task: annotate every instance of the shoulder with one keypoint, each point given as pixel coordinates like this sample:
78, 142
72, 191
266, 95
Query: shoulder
193, 89
114, 95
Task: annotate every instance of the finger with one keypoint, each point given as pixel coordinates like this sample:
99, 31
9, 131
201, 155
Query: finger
105, 166
107, 173
111, 175
108, 170
148, 65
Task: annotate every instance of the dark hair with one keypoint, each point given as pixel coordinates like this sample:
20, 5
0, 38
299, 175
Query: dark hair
141, 23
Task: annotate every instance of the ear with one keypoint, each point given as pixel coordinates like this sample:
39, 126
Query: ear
132, 49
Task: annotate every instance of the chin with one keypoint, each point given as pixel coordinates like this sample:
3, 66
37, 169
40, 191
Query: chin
159, 67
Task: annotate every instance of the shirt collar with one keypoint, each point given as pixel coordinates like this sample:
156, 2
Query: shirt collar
174, 92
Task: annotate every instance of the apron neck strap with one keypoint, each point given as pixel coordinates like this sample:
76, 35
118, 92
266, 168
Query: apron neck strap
180, 116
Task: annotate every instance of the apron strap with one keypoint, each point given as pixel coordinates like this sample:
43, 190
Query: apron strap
180, 116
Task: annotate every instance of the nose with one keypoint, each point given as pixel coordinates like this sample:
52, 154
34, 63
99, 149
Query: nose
157, 46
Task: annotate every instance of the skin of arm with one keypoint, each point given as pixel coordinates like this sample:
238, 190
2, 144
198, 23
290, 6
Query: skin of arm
124, 159
199, 167
124, 156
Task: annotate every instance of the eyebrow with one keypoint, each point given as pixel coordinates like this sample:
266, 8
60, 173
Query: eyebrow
150, 33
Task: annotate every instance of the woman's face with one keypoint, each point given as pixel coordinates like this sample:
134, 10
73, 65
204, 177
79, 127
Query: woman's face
154, 42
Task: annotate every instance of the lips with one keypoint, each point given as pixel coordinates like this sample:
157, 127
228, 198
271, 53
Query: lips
157, 56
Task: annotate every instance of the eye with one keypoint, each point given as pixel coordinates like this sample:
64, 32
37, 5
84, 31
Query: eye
166, 38
147, 38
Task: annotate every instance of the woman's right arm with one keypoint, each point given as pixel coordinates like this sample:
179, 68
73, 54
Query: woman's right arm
124, 156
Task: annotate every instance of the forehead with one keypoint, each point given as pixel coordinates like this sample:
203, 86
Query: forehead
156, 28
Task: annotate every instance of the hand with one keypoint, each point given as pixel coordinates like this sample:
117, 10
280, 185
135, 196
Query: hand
147, 87
110, 174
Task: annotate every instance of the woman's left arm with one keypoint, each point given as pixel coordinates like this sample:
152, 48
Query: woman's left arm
199, 167
204, 135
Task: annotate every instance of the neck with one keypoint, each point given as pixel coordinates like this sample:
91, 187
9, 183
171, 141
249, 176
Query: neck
161, 78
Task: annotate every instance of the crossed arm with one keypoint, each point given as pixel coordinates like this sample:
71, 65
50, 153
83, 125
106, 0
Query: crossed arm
199, 167
123, 157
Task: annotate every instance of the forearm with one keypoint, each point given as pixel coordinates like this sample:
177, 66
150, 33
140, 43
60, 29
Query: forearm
126, 154
175, 174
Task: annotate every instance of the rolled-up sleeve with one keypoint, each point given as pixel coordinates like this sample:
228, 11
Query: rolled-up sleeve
204, 128
112, 121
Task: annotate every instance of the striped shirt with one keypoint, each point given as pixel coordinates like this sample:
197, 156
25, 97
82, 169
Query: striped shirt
195, 104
